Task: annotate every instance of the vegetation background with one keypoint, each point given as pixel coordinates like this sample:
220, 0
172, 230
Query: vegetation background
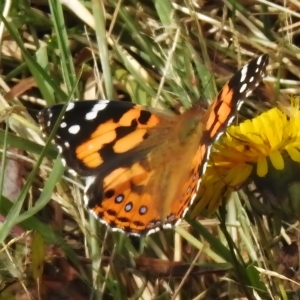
169, 53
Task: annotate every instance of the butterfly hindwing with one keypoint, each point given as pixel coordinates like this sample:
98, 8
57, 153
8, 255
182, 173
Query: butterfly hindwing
122, 199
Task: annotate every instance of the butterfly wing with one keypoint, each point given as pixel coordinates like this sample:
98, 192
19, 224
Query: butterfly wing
115, 145
137, 197
143, 165
223, 109
98, 135
215, 121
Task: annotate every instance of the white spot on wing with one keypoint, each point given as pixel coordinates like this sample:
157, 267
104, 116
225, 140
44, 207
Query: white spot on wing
72, 172
70, 106
96, 108
165, 226
243, 88
91, 115
239, 105
63, 125
100, 105
243, 73
88, 182
74, 129
259, 60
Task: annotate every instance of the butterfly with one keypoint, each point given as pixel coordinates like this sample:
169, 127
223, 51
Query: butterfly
143, 166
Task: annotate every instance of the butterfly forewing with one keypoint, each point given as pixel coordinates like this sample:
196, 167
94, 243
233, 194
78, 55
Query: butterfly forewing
215, 121
222, 111
97, 134
143, 166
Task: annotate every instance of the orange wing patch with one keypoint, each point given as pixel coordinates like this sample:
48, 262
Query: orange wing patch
121, 136
189, 188
228, 101
130, 141
219, 111
144, 118
88, 151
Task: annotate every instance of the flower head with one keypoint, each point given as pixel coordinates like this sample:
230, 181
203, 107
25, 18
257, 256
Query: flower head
250, 147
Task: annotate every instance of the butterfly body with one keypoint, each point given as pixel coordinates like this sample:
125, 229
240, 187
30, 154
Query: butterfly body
143, 165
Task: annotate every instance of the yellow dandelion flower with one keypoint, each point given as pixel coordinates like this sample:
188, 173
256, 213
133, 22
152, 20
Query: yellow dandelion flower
250, 147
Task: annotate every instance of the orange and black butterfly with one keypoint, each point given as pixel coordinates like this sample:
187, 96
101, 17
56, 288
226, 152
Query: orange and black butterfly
143, 166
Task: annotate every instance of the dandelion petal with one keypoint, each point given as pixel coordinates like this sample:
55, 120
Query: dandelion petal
262, 166
277, 160
293, 153
238, 175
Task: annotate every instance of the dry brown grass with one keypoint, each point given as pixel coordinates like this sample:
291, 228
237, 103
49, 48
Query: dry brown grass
169, 53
